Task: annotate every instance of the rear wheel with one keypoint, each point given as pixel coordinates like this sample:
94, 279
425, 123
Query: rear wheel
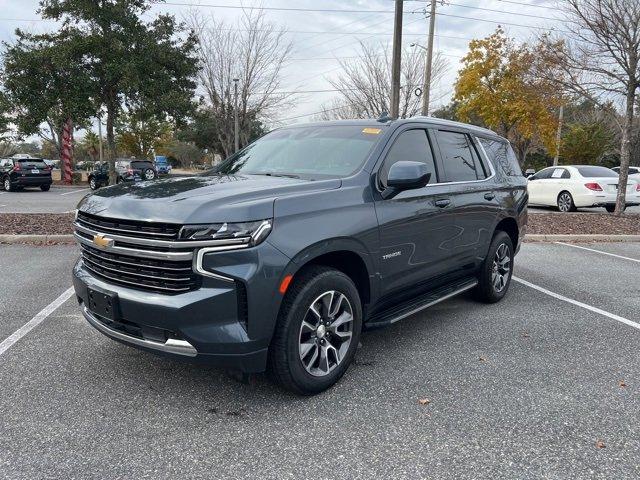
93, 184
149, 174
495, 274
565, 202
317, 333
45, 188
6, 183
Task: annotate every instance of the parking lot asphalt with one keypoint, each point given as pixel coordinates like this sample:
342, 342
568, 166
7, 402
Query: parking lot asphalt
535, 386
33, 200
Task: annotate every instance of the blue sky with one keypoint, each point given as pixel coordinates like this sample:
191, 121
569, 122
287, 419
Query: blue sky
317, 53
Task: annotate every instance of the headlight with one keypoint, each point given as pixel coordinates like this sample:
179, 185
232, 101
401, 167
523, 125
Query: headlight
256, 231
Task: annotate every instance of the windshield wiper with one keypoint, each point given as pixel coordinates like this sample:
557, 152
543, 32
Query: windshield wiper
274, 174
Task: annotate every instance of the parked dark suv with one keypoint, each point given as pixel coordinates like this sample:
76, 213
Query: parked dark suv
280, 256
24, 171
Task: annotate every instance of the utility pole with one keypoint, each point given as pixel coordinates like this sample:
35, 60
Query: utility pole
100, 136
558, 136
427, 65
235, 115
395, 66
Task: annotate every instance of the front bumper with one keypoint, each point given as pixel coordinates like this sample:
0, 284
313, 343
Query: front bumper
205, 325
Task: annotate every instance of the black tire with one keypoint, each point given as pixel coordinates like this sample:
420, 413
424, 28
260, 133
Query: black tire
118, 180
45, 188
565, 202
487, 291
285, 364
93, 185
6, 184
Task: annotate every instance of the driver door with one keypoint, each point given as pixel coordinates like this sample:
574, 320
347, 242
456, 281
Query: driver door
417, 227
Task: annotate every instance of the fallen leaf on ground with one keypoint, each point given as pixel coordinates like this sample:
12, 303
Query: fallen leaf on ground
525, 335
622, 383
424, 401
600, 444
482, 359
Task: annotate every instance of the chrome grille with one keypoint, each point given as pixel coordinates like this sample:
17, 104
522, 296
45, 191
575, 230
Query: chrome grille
144, 255
161, 231
153, 275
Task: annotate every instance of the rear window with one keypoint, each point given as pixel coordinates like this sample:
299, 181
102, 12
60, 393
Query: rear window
502, 156
141, 165
589, 172
32, 163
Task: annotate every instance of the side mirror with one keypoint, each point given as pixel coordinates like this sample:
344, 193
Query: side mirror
405, 175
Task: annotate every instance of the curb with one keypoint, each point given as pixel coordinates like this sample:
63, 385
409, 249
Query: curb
39, 239
36, 239
581, 238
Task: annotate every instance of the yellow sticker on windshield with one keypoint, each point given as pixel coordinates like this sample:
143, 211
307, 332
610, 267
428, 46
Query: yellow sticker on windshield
372, 131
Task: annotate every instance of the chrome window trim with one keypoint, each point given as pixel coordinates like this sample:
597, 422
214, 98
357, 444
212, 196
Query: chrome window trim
137, 241
439, 184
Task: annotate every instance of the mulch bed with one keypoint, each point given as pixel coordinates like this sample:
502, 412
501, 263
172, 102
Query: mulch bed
36, 223
583, 224
539, 223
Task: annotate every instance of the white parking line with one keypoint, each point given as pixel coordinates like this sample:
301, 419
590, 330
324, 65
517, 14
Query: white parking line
35, 321
74, 191
613, 316
598, 251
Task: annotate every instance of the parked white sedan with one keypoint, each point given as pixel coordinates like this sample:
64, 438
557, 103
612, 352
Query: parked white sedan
579, 186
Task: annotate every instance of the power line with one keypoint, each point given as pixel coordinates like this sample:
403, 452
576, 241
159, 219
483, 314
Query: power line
505, 12
499, 22
284, 9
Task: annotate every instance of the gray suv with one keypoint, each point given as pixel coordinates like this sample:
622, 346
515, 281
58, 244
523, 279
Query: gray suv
278, 258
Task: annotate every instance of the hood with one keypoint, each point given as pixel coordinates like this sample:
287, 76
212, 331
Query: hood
199, 199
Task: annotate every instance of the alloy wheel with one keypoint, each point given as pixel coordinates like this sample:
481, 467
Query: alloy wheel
325, 333
149, 175
564, 202
501, 267
7, 184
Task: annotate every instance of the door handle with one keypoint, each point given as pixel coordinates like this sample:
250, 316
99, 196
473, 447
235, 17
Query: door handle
489, 196
443, 202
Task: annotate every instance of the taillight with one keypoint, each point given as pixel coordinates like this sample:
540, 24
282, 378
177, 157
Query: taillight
637, 187
130, 171
16, 167
593, 186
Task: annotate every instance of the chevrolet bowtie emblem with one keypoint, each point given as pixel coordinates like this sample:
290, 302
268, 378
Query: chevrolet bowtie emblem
101, 241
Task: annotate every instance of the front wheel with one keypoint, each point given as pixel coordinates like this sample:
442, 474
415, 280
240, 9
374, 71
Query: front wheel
565, 202
149, 174
496, 270
317, 332
93, 184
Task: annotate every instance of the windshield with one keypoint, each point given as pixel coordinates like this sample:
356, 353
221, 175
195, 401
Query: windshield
589, 172
310, 152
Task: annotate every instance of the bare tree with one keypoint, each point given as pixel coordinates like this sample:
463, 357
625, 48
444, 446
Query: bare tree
600, 60
253, 51
365, 83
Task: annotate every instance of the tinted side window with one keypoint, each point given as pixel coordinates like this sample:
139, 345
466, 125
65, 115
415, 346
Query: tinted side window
502, 156
542, 174
413, 146
461, 163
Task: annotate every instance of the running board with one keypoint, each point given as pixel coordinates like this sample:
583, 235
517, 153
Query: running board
416, 304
